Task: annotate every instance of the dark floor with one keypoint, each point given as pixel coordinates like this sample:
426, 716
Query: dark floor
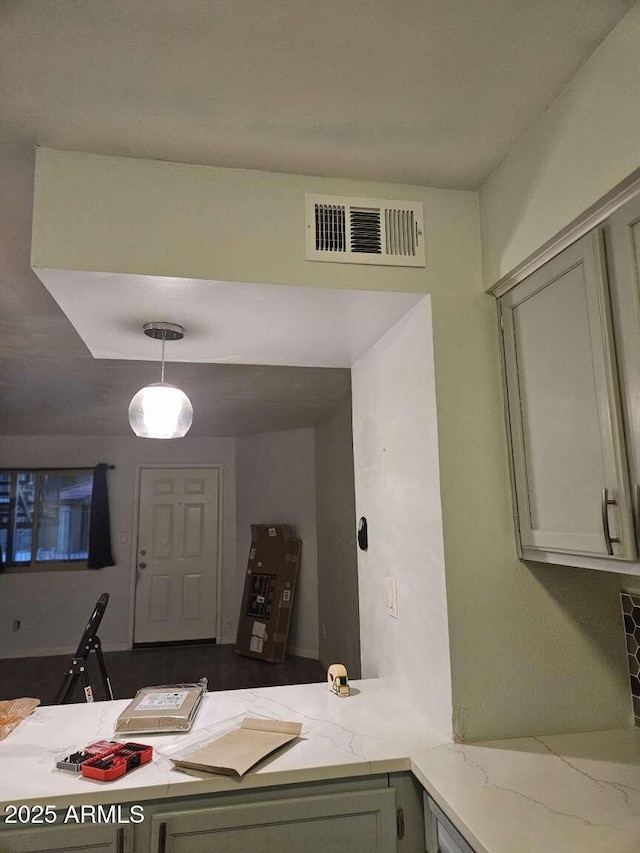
128, 671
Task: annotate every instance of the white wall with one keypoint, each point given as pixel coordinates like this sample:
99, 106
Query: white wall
54, 606
586, 143
276, 485
397, 480
581, 147
564, 671
338, 608
274, 475
124, 214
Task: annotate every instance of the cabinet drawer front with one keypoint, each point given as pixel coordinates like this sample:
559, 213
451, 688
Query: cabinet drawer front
563, 407
87, 838
362, 821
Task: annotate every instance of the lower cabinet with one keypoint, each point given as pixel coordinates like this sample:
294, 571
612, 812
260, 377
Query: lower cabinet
67, 839
372, 814
359, 822
441, 836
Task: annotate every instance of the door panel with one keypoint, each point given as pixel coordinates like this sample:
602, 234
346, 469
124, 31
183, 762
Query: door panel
360, 822
563, 406
557, 387
159, 609
162, 487
176, 589
68, 839
194, 515
162, 531
194, 486
191, 596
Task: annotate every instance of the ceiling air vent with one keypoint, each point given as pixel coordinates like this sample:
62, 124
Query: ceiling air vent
364, 231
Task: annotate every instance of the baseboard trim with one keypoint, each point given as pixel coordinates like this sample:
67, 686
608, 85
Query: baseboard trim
65, 650
304, 653
172, 644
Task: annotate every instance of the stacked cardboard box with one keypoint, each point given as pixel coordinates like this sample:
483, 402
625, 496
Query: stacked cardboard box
269, 592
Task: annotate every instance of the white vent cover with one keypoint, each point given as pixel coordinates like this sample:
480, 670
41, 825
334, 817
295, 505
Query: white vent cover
364, 231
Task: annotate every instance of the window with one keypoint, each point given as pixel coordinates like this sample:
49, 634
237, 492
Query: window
44, 517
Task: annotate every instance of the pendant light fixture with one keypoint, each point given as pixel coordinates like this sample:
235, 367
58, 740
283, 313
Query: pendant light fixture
161, 410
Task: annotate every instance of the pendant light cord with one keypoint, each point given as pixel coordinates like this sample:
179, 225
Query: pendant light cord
164, 338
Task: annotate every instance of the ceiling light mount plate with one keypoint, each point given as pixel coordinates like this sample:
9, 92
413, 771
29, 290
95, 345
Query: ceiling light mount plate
162, 331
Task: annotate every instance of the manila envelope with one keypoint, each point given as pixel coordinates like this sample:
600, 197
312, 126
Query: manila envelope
238, 751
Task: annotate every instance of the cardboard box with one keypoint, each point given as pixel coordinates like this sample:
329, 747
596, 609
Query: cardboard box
240, 750
269, 593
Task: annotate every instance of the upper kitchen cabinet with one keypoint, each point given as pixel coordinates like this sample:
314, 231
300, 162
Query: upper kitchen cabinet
569, 465
623, 260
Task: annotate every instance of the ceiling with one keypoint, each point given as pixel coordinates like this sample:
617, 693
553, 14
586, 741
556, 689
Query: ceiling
225, 322
427, 92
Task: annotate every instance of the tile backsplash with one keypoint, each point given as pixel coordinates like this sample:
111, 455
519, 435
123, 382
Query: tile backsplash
631, 613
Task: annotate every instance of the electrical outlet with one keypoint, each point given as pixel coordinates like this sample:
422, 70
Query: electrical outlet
392, 598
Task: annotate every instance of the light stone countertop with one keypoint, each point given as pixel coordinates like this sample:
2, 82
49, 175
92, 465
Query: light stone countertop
575, 793
373, 731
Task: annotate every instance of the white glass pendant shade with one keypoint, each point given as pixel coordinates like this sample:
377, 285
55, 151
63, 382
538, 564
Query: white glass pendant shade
160, 411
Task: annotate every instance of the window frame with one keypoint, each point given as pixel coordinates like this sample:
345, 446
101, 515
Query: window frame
44, 565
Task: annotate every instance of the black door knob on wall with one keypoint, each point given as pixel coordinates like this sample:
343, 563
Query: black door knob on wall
363, 535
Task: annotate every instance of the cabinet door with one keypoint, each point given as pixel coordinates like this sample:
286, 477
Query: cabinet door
359, 822
569, 463
68, 839
442, 835
623, 257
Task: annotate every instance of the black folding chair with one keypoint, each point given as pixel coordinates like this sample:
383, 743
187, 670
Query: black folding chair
89, 642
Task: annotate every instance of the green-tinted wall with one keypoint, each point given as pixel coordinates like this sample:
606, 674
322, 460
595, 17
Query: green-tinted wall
533, 649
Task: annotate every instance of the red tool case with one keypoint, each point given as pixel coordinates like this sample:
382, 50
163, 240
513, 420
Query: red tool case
110, 765
72, 763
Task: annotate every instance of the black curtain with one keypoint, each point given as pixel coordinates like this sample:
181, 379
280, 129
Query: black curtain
99, 522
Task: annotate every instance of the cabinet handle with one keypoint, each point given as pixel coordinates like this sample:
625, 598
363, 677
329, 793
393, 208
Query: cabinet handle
162, 837
606, 503
120, 840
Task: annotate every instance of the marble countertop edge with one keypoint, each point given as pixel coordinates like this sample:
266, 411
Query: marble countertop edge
558, 793
564, 793
371, 733
202, 784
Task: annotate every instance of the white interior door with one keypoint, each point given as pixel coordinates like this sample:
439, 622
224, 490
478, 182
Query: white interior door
177, 555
